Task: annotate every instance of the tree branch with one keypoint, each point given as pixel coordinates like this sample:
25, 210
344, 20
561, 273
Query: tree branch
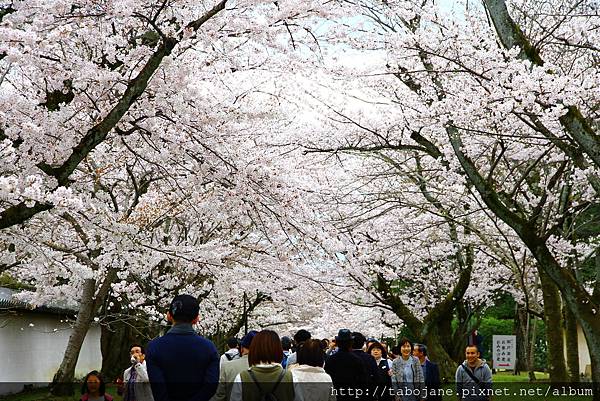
20, 212
510, 35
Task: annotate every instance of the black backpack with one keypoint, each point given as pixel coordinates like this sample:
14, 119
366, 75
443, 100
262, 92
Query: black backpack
264, 396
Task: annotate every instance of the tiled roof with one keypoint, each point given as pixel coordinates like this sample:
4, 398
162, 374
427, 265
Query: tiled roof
9, 302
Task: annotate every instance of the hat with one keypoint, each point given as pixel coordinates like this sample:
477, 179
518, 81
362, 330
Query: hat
247, 339
184, 308
344, 335
301, 336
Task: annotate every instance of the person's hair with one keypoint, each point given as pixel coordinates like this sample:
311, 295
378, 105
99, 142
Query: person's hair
422, 348
311, 353
301, 336
184, 308
101, 388
265, 348
405, 340
137, 345
286, 343
380, 346
324, 343
232, 342
358, 341
395, 350
472, 346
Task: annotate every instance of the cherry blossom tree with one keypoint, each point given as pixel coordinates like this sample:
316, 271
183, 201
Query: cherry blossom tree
367, 153
128, 157
499, 101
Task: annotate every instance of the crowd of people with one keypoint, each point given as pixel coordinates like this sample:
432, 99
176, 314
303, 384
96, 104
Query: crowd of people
184, 366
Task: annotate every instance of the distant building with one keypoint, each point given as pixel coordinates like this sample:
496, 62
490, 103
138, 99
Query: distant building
33, 341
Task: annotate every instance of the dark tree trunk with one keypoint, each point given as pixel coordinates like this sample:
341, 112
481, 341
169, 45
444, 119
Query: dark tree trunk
520, 332
438, 354
122, 327
575, 295
554, 335
467, 320
572, 344
530, 346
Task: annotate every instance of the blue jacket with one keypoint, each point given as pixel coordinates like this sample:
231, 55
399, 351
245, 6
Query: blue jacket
182, 366
432, 380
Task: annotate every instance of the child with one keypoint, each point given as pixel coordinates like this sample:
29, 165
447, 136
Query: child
93, 388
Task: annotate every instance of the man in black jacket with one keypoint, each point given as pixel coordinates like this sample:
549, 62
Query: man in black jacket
431, 372
347, 370
368, 360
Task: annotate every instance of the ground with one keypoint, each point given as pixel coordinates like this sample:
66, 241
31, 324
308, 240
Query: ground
43, 395
513, 388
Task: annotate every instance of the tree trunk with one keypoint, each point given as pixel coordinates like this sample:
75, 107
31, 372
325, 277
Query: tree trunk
122, 327
62, 383
531, 329
438, 354
520, 332
553, 318
583, 307
572, 343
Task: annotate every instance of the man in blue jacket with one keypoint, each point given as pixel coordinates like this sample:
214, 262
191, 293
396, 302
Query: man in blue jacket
473, 377
182, 366
431, 372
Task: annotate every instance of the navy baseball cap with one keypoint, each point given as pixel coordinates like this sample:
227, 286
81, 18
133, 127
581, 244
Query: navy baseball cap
247, 340
184, 308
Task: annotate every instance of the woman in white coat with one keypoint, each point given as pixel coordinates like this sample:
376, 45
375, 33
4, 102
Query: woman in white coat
311, 382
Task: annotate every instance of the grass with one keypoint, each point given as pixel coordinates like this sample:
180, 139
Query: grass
506, 376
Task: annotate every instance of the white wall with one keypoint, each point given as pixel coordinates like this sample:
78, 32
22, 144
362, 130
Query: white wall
32, 347
582, 349
584, 354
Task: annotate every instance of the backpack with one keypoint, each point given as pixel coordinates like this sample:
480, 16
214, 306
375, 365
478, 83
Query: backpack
263, 395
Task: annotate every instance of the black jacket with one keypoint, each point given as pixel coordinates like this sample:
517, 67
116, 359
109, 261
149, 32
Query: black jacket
347, 371
370, 365
371, 370
383, 381
432, 380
